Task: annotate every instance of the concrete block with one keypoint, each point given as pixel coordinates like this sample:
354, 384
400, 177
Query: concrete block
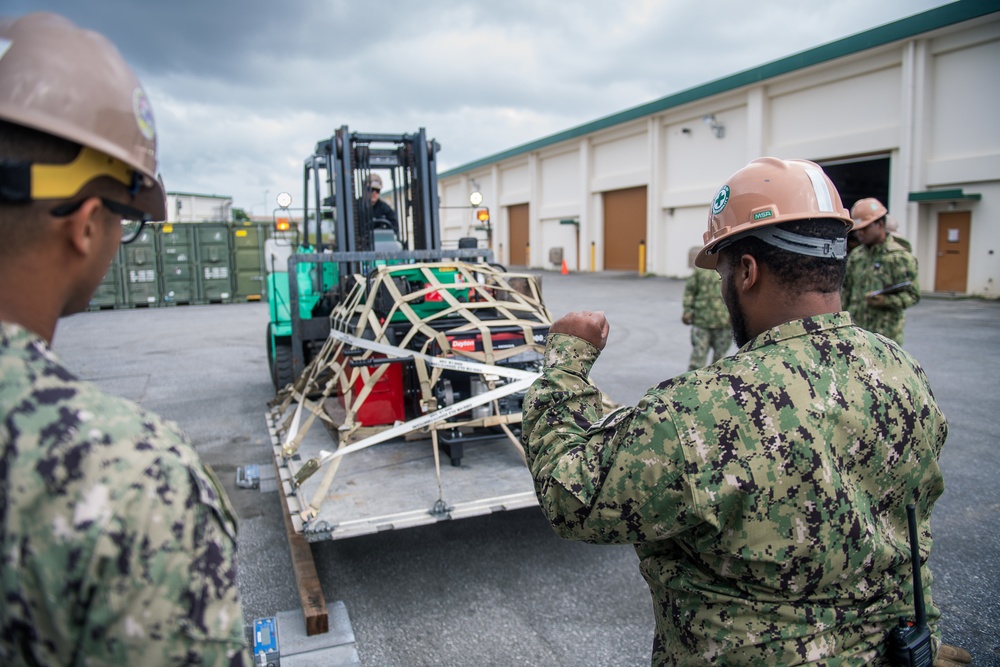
335, 656
331, 649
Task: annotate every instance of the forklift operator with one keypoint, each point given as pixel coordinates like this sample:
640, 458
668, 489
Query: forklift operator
379, 208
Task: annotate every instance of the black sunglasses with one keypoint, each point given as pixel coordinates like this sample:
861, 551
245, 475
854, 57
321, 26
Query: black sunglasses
133, 220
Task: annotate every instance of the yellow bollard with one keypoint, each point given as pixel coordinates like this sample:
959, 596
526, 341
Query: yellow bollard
642, 258
593, 256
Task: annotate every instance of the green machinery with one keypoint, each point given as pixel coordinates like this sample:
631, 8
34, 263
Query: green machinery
308, 276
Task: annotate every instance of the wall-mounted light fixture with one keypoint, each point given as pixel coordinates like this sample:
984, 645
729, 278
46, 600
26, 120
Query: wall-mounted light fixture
718, 128
685, 130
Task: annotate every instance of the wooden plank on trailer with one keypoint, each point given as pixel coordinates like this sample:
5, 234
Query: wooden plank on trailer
306, 578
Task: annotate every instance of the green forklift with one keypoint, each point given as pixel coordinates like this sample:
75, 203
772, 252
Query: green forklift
397, 347
343, 234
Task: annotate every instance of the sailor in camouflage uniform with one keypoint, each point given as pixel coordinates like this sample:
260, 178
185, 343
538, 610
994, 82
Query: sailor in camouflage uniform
765, 494
706, 312
880, 261
117, 544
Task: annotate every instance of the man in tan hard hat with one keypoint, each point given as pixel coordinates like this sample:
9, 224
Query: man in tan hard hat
381, 210
881, 280
117, 544
765, 494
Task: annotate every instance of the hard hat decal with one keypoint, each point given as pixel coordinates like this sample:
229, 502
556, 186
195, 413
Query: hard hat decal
721, 200
763, 215
143, 113
4, 45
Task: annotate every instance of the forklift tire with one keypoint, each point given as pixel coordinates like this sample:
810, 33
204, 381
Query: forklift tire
283, 374
279, 359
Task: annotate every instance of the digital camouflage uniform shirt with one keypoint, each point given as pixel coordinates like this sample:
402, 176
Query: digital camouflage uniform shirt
118, 545
765, 494
710, 328
870, 269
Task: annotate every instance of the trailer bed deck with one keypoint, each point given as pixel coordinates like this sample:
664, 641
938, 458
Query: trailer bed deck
393, 485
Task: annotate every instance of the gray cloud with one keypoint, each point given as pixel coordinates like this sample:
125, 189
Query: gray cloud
243, 90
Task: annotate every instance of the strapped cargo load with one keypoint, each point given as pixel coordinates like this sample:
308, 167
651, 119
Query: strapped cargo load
442, 351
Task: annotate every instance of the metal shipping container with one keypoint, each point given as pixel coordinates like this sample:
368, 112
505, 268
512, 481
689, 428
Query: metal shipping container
110, 294
176, 245
248, 260
213, 263
142, 285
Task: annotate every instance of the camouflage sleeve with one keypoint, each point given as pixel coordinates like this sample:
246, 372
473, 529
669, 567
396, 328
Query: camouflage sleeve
690, 289
902, 267
174, 540
596, 475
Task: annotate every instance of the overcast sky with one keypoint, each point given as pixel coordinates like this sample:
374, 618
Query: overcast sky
243, 89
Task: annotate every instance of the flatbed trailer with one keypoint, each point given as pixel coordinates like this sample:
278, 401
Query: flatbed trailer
391, 355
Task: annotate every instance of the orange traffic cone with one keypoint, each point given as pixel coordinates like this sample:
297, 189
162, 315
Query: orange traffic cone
565, 269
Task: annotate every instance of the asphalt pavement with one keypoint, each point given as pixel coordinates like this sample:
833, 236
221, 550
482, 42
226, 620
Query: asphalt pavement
503, 589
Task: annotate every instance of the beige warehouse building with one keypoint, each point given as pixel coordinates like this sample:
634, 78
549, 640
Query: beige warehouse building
906, 112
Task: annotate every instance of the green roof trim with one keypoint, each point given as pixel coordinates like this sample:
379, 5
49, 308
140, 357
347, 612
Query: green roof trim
940, 17
943, 195
195, 194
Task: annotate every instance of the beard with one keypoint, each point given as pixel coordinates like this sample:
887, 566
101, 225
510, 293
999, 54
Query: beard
741, 336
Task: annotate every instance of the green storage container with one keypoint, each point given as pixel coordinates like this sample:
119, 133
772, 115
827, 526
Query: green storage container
109, 294
177, 263
213, 263
248, 261
141, 277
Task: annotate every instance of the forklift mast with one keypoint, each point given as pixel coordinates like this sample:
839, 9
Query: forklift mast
344, 163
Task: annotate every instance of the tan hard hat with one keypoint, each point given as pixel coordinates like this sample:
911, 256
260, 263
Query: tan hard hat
767, 192
866, 211
74, 84
374, 181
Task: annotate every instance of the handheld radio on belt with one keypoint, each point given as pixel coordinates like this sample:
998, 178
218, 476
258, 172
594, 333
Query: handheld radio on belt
910, 641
